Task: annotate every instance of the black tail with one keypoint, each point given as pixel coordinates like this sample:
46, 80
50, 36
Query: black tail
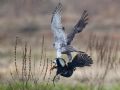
81, 60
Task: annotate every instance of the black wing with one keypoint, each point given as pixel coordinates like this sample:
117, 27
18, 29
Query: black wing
80, 60
78, 27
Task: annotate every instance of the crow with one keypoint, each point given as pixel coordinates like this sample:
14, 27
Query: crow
66, 69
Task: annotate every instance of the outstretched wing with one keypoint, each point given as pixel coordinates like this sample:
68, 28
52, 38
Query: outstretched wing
78, 27
57, 28
80, 60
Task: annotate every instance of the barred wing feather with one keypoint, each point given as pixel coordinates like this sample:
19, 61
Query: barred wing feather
78, 27
57, 29
81, 60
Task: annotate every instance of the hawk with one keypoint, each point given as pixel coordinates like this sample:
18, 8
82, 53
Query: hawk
62, 42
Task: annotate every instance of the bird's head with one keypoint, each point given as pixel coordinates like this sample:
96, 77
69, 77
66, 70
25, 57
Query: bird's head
58, 62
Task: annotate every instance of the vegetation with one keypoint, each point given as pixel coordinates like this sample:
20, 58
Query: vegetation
28, 68
104, 52
30, 86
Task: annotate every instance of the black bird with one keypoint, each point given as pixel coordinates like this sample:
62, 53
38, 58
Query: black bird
66, 69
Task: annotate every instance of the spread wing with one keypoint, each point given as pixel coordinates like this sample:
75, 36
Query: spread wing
78, 27
57, 28
81, 60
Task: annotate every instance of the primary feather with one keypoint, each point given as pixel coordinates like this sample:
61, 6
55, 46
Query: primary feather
80, 60
57, 28
78, 27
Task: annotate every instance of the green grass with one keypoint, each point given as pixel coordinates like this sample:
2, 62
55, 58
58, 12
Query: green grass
31, 86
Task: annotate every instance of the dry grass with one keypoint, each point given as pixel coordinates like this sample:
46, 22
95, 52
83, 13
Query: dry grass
27, 67
32, 56
104, 51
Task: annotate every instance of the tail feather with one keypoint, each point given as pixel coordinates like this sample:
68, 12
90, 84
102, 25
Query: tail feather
81, 60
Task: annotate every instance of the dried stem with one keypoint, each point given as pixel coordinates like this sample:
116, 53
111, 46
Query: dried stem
29, 73
15, 57
43, 63
46, 70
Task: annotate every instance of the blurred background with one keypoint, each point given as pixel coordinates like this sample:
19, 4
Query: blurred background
29, 20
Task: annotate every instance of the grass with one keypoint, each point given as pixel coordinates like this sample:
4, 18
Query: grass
31, 65
32, 74
42, 86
